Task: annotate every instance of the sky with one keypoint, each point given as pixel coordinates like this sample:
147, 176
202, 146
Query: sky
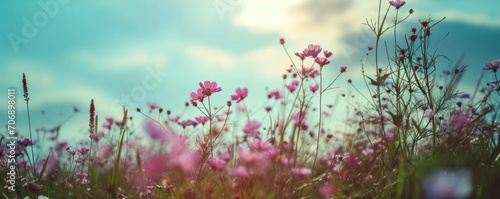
128, 53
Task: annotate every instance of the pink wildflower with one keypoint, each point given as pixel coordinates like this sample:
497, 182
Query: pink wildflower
202, 119
327, 53
493, 65
276, 94
240, 171
198, 95
343, 69
260, 145
158, 132
251, 128
322, 61
397, 3
312, 51
105, 151
209, 88
314, 88
61, 146
216, 164
300, 55
153, 105
299, 119
291, 87
282, 41
459, 119
240, 95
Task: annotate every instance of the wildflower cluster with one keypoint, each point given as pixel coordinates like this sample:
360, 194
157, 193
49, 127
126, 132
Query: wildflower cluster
409, 132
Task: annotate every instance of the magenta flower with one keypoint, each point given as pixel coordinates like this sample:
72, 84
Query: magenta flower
282, 41
459, 119
26, 142
209, 88
300, 55
216, 164
343, 69
158, 132
260, 145
312, 51
276, 94
241, 172
153, 105
299, 119
202, 119
322, 61
240, 95
105, 151
61, 146
291, 87
198, 96
493, 65
327, 53
397, 3
314, 88
186, 123
314, 73
251, 128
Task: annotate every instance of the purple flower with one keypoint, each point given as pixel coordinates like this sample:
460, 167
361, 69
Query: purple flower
312, 51
260, 145
251, 128
397, 3
322, 61
493, 65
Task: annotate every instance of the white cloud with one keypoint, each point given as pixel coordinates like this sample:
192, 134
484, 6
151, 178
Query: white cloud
265, 15
210, 57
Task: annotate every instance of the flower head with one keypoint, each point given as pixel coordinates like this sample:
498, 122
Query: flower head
322, 61
276, 94
397, 3
343, 69
92, 115
282, 41
198, 95
251, 128
314, 88
493, 65
327, 53
25, 88
209, 87
240, 95
312, 51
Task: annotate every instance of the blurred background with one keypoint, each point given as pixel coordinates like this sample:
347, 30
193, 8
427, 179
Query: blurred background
129, 54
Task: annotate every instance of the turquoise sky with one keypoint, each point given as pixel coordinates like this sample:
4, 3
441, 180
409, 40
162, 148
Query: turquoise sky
133, 52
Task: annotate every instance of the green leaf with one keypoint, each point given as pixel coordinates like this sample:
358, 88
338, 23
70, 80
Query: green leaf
43, 169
